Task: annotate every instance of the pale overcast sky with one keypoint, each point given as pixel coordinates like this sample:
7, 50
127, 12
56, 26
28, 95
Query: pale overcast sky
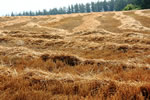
8, 6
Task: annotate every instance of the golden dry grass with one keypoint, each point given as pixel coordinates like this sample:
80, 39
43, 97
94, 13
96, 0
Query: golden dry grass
68, 23
39, 79
146, 11
68, 57
143, 19
109, 23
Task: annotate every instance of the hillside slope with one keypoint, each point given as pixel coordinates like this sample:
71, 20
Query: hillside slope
87, 56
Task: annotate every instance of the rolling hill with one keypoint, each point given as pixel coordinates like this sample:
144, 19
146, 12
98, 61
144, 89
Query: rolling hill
90, 56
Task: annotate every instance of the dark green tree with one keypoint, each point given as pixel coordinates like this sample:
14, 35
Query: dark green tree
76, 7
12, 14
99, 6
82, 8
88, 9
120, 4
72, 9
105, 6
145, 4
45, 12
112, 3
69, 10
93, 8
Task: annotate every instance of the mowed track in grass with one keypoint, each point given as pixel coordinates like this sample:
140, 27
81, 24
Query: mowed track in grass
76, 56
68, 23
109, 23
142, 19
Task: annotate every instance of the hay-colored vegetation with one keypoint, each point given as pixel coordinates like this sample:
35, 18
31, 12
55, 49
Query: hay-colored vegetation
48, 78
109, 23
68, 23
65, 57
142, 19
146, 11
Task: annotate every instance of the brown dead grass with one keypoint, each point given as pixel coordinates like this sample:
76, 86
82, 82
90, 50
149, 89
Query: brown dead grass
109, 23
142, 19
40, 60
3, 19
15, 26
146, 11
81, 82
68, 23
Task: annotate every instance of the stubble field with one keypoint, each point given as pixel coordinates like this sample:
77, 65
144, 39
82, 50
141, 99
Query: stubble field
90, 56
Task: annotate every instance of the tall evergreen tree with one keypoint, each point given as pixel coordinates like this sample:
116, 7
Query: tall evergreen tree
88, 9
76, 7
82, 8
39, 12
93, 7
145, 4
99, 6
12, 14
27, 13
60, 11
105, 6
112, 3
45, 12
120, 4
69, 10
96, 7
72, 8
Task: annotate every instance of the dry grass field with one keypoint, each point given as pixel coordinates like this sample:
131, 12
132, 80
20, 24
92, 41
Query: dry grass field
90, 56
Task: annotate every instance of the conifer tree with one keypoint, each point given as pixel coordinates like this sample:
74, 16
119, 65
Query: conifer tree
76, 7
105, 5
69, 10
88, 9
12, 14
112, 3
82, 8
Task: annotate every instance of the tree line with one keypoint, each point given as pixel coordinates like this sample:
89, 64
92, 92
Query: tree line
99, 6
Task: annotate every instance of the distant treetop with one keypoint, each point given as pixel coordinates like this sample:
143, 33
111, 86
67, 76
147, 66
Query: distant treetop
99, 6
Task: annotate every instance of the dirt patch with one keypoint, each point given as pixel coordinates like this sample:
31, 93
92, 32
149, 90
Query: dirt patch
70, 60
123, 48
48, 36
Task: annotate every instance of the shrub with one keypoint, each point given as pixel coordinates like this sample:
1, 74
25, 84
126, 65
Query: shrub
132, 7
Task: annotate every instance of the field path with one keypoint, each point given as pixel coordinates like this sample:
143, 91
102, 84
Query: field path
89, 23
129, 22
